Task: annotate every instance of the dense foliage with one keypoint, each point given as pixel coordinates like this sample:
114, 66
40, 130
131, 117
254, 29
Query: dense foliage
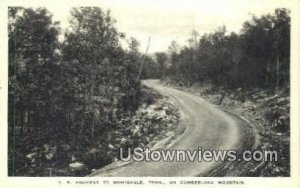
64, 92
256, 57
67, 95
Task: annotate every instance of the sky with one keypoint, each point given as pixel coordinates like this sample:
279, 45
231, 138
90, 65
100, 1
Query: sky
167, 20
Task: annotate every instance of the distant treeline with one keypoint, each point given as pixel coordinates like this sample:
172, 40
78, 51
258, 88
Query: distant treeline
67, 91
258, 56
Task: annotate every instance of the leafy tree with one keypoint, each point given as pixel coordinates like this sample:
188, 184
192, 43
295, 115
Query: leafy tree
133, 45
68, 92
32, 92
257, 57
104, 75
265, 44
174, 47
162, 60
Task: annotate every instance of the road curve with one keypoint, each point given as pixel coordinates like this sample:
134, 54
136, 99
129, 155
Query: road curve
208, 127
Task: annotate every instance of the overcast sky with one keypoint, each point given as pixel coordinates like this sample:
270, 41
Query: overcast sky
167, 20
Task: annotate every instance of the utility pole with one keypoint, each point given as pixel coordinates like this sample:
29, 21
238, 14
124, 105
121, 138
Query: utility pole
143, 59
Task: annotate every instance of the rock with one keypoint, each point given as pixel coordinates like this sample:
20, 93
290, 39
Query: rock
77, 166
160, 115
130, 142
145, 139
159, 107
149, 115
93, 151
35, 149
111, 146
73, 158
171, 120
145, 130
282, 99
276, 169
247, 103
50, 152
279, 134
144, 112
136, 131
123, 141
167, 110
136, 120
141, 145
46, 147
31, 155
168, 134
115, 159
65, 147
49, 156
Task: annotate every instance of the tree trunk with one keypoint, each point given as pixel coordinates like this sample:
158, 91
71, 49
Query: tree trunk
93, 128
277, 72
24, 123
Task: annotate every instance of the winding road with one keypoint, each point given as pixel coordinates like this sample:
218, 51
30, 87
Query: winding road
208, 127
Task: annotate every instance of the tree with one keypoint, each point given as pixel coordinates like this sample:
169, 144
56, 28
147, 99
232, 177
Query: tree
265, 44
133, 45
161, 59
69, 92
32, 44
257, 57
173, 51
193, 41
282, 45
104, 77
32, 92
174, 47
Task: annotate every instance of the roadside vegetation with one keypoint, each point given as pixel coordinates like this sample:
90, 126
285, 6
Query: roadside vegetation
266, 112
247, 73
74, 102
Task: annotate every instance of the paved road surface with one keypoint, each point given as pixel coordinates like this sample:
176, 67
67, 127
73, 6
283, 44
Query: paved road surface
208, 127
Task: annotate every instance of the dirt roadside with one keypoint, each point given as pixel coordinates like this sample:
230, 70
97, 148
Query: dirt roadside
267, 112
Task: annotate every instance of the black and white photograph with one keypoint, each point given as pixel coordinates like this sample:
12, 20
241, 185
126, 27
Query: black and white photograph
137, 88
